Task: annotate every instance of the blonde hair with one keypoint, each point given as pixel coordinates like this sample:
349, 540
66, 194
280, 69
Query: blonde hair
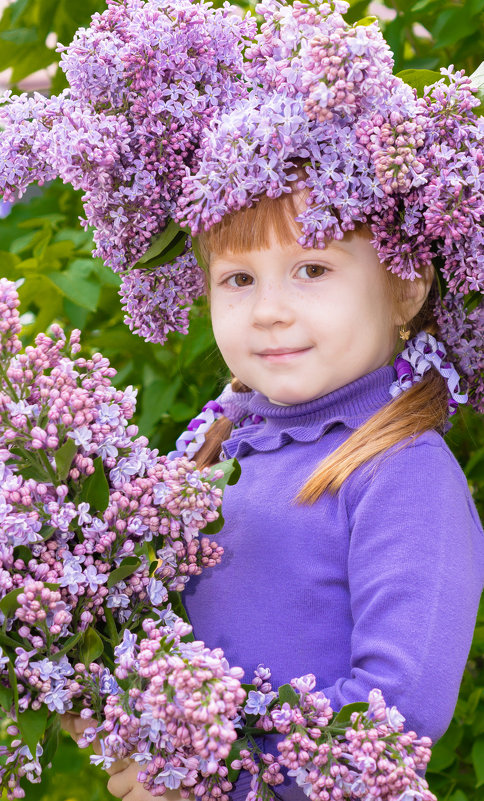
419, 409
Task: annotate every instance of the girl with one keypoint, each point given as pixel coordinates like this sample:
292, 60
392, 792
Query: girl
333, 208
369, 572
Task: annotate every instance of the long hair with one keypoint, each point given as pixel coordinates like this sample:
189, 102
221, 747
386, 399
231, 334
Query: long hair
421, 408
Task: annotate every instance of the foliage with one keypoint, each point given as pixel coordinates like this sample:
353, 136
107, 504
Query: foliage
42, 242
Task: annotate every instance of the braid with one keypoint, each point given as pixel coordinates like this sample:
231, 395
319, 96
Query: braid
218, 432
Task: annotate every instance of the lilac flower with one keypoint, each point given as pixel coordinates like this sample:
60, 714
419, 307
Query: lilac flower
157, 592
93, 578
258, 702
58, 699
171, 776
73, 578
82, 436
3, 659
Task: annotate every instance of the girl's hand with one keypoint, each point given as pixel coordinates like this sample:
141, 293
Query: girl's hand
75, 725
125, 785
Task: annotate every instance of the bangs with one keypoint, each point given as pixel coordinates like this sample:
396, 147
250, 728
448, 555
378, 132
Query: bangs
251, 227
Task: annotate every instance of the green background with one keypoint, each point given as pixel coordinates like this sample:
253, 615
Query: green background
42, 242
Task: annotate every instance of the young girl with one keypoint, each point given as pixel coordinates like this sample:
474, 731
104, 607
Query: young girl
329, 215
352, 547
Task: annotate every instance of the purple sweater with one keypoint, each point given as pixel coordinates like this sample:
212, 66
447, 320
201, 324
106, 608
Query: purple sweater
377, 586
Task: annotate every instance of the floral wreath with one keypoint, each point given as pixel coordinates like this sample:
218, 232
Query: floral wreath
178, 114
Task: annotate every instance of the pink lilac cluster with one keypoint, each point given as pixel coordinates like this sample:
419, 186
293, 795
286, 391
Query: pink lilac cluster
174, 713
95, 527
327, 116
145, 78
365, 754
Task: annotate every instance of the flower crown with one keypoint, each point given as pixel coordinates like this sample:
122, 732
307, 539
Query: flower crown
179, 114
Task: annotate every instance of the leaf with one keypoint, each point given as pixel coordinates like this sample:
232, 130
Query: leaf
95, 490
366, 21
79, 290
477, 755
231, 473
64, 456
215, 526
13, 685
161, 242
8, 604
6, 698
125, 569
234, 753
92, 646
451, 26
51, 743
442, 757
68, 646
344, 715
22, 552
419, 79
158, 397
32, 724
287, 695
176, 248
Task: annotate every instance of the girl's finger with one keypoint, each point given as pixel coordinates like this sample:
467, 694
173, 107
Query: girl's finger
118, 766
123, 781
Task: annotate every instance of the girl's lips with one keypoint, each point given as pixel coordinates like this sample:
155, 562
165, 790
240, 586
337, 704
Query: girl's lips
283, 356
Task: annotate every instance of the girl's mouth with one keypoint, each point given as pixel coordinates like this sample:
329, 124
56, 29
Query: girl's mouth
279, 355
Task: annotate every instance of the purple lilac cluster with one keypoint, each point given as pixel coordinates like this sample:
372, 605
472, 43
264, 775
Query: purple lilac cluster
158, 301
95, 527
327, 116
145, 78
359, 753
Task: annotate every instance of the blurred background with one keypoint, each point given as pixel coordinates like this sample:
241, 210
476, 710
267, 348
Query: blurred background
41, 241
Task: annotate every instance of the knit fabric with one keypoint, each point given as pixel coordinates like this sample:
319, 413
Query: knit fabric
377, 586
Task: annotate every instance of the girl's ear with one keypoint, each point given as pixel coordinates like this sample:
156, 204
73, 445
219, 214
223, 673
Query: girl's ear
415, 295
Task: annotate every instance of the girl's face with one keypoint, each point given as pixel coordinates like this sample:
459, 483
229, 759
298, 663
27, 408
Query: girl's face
295, 323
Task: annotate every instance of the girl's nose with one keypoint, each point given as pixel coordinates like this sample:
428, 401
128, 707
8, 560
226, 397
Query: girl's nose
271, 305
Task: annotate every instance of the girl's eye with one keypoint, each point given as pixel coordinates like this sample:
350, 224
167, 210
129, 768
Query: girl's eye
239, 279
312, 270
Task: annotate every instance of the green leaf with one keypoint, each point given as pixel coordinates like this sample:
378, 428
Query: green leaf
234, 753
176, 248
68, 646
95, 490
125, 569
198, 254
158, 398
32, 724
366, 21
92, 646
51, 743
6, 698
287, 695
8, 604
64, 456
161, 242
231, 473
419, 79
22, 552
451, 26
79, 290
344, 715
442, 757
215, 526
13, 686
477, 755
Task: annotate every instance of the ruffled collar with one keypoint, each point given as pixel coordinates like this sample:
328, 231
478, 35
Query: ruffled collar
351, 405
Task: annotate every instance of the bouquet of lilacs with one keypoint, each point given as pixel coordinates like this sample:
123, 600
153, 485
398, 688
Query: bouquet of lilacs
98, 536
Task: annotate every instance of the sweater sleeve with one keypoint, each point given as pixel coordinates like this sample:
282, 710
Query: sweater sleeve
415, 575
